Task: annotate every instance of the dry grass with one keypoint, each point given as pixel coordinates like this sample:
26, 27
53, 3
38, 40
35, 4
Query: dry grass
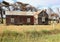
30, 33
28, 27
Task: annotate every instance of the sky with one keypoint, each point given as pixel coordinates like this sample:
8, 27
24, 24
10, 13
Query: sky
39, 3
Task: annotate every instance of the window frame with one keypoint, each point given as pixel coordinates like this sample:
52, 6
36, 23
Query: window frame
28, 20
12, 20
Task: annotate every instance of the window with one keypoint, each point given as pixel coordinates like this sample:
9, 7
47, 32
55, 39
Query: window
43, 19
28, 20
12, 20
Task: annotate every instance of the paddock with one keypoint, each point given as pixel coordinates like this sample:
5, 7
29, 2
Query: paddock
20, 28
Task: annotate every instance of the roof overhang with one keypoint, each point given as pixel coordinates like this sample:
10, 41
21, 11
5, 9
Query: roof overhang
20, 13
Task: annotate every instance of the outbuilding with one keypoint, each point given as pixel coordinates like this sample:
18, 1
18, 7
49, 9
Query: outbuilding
43, 18
15, 17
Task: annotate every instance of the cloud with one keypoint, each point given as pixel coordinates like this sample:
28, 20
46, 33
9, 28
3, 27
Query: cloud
41, 2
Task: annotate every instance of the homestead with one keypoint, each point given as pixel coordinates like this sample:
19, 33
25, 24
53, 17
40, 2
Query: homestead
21, 12
14, 17
24, 17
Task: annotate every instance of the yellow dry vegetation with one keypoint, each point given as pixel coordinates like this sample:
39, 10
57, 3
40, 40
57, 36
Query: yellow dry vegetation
28, 27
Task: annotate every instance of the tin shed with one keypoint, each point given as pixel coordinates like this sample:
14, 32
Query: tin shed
43, 18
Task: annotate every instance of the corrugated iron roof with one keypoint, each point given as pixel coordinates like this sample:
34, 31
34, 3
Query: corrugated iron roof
21, 13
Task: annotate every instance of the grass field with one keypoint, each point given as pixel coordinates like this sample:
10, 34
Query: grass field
28, 27
30, 36
29, 33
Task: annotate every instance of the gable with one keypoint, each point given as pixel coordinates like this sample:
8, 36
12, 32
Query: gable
42, 13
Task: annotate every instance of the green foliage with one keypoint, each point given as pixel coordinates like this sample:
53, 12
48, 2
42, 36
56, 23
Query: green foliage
30, 36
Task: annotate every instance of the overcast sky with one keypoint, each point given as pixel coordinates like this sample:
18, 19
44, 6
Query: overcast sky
39, 3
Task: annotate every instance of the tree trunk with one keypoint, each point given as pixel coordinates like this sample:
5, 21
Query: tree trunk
1, 17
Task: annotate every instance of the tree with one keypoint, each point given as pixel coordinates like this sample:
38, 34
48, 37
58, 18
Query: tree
1, 14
